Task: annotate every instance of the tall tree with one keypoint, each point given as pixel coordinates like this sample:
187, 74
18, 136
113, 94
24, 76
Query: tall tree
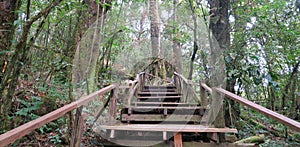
155, 28
17, 61
196, 47
157, 51
86, 70
219, 25
8, 15
177, 53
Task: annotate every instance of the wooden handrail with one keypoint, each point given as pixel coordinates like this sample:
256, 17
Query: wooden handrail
12, 135
206, 87
267, 112
131, 94
188, 85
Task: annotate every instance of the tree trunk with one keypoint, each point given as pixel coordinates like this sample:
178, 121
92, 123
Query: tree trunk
157, 52
177, 54
253, 139
155, 30
219, 24
87, 61
7, 29
17, 61
7, 17
195, 41
288, 86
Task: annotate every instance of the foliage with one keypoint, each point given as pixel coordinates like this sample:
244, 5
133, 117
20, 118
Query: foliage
27, 108
262, 60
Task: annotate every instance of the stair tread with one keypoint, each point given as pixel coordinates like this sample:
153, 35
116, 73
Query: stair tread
166, 103
168, 118
160, 86
158, 92
170, 128
157, 97
163, 107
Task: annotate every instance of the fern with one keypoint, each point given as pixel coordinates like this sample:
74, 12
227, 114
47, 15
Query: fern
28, 107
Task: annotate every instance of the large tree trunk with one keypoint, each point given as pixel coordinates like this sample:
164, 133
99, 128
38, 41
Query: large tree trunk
155, 30
86, 67
177, 53
87, 43
219, 24
17, 61
196, 47
7, 29
157, 52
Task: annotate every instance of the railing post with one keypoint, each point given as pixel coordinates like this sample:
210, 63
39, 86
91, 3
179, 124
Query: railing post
77, 128
112, 106
203, 94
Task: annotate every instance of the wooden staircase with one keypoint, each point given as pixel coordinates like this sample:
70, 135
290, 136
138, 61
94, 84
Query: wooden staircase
160, 101
157, 114
161, 104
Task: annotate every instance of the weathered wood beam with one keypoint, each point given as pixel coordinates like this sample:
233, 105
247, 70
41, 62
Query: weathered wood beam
12, 135
267, 112
170, 128
177, 139
203, 95
206, 87
161, 117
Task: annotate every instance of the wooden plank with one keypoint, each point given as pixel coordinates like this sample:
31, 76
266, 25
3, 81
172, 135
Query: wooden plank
112, 134
206, 87
159, 87
159, 97
203, 95
159, 93
170, 128
113, 106
12, 135
164, 144
214, 137
77, 128
267, 112
167, 103
161, 117
165, 136
165, 112
167, 107
177, 139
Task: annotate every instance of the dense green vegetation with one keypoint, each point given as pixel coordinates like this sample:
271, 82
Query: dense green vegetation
39, 39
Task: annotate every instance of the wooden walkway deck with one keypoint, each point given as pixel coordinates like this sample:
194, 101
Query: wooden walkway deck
170, 128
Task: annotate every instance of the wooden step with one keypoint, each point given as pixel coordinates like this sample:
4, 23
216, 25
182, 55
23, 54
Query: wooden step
160, 118
164, 104
160, 143
170, 128
159, 87
161, 93
167, 107
165, 110
158, 97
158, 90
